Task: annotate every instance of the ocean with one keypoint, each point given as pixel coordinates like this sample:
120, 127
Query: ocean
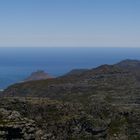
17, 63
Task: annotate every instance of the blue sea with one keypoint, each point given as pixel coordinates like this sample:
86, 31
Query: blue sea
17, 63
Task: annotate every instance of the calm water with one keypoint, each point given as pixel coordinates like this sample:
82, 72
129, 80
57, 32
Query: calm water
17, 63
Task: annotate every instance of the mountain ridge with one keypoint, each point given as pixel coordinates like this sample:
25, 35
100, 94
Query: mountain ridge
102, 103
69, 82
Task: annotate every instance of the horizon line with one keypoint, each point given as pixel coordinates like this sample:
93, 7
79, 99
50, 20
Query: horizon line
69, 46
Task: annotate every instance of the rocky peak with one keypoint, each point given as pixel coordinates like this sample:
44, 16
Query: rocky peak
38, 75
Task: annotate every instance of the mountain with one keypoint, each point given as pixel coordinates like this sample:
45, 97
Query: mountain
87, 82
129, 64
102, 103
105, 80
38, 75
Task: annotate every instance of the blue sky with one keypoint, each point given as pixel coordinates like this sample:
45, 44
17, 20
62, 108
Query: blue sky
105, 23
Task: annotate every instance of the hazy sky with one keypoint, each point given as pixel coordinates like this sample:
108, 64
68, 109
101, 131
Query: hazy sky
70, 23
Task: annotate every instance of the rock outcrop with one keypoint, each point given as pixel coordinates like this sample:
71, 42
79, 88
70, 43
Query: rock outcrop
14, 126
44, 119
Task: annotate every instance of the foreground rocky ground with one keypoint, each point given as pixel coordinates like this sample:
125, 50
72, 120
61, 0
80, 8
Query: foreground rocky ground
97, 104
42, 119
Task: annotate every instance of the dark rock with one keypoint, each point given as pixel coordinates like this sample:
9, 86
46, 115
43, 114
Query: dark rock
14, 126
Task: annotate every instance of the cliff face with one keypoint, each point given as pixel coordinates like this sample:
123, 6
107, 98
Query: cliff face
101, 103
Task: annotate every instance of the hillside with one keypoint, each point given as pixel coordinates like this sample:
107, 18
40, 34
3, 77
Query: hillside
129, 64
101, 103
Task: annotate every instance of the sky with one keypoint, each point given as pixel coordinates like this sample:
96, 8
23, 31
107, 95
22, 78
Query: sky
70, 23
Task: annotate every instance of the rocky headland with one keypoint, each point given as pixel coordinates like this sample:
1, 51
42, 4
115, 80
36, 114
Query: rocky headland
102, 103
